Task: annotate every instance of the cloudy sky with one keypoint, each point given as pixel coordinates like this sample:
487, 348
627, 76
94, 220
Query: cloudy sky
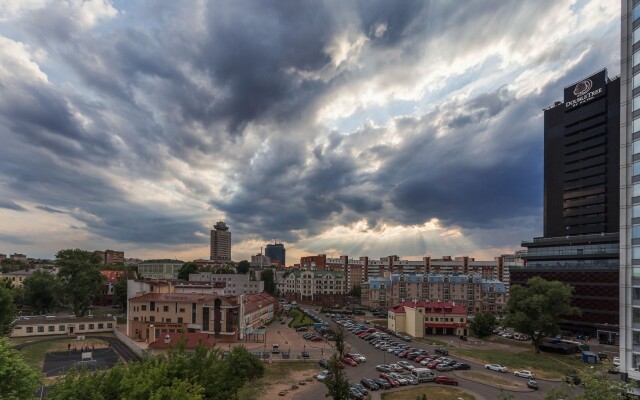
340, 127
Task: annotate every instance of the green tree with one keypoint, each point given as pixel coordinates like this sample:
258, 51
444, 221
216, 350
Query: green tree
7, 309
80, 278
41, 291
269, 281
186, 269
337, 382
120, 292
224, 270
356, 291
17, 380
483, 324
339, 337
538, 308
243, 267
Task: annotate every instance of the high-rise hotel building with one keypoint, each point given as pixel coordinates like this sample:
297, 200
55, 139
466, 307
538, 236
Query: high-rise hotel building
580, 246
630, 191
220, 242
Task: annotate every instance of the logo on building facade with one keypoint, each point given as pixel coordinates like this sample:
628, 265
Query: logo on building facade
583, 87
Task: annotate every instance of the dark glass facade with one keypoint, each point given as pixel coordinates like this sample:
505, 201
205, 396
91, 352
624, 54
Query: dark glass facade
582, 163
276, 252
580, 246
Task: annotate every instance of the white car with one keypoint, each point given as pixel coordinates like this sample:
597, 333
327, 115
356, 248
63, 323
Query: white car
524, 374
400, 378
359, 358
405, 365
412, 379
616, 361
496, 367
396, 367
322, 375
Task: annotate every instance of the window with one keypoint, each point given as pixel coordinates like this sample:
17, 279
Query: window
135, 318
81, 327
152, 319
41, 329
179, 320
168, 319
182, 309
61, 328
109, 325
29, 329
635, 213
636, 189
100, 326
91, 326
636, 81
165, 308
636, 253
636, 147
144, 308
51, 328
636, 12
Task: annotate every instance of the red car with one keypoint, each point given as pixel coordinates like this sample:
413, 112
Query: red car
349, 361
388, 378
445, 380
433, 364
316, 339
419, 358
404, 353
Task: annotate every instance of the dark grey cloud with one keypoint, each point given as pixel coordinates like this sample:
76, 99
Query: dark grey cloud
11, 205
14, 239
165, 97
51, 210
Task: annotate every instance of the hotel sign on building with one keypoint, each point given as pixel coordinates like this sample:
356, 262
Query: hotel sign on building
586, 90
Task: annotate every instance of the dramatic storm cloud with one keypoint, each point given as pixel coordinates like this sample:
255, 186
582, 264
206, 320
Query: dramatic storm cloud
360, 128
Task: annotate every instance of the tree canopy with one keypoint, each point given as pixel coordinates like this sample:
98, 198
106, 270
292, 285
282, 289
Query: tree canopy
186, 269
80, 278
202, 375
7, 307
538, 308
41, 291
243, 267
483, 324
268, 278
18, 381
337, 382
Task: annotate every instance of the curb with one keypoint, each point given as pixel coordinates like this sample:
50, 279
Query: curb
496, 385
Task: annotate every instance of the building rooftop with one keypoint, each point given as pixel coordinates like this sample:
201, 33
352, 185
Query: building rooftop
430, 307
41, 319
175, 297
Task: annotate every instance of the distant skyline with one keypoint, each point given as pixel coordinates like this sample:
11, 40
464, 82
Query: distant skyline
358, 128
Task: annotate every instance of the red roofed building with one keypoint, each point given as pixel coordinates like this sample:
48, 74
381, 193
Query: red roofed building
189, 341
227, 318
422, 318
111, 277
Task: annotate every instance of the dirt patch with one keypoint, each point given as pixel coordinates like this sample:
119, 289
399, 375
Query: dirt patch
271, 390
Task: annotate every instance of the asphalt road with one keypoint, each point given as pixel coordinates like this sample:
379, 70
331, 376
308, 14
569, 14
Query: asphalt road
375, 357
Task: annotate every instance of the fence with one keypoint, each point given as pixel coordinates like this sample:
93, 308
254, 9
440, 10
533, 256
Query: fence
130, 343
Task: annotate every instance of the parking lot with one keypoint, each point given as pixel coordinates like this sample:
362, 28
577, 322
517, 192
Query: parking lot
376, 357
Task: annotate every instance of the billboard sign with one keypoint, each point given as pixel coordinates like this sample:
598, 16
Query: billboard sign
586, 90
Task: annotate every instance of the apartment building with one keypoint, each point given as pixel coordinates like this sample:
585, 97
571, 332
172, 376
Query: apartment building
53, 325
470, 291
315, 286
236, 284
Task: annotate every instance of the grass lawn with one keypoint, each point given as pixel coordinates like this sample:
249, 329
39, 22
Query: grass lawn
544, 365
299, 319
275, 374
517, 343
34, 354
434, 342
495, 379
432, 392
